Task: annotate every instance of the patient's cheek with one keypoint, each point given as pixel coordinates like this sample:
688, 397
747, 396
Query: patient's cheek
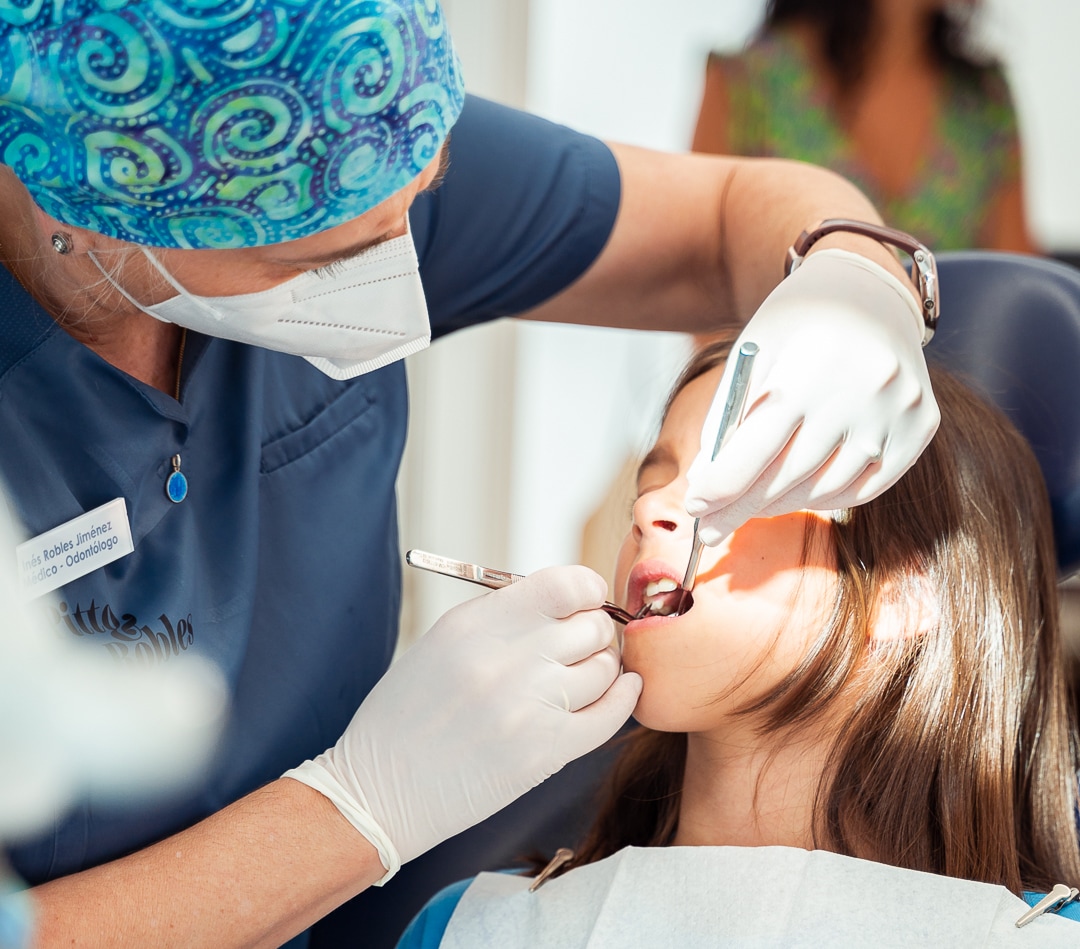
623, 564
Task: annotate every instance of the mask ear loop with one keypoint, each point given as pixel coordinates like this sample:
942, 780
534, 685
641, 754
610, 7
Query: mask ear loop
115, 284
169, 278
176, 285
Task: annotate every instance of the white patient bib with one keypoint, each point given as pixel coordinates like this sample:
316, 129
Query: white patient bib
759, 897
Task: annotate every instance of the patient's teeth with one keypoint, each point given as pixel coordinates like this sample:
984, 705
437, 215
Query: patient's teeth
657, 597
660, 586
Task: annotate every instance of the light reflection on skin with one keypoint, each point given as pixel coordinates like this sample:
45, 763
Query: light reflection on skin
761, 596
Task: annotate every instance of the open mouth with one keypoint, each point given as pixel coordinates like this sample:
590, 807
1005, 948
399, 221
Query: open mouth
664, 597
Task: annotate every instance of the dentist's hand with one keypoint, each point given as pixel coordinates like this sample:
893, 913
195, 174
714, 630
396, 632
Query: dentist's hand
501, 693
839, 404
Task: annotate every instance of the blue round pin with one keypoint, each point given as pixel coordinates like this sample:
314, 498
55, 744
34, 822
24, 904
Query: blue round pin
176, 485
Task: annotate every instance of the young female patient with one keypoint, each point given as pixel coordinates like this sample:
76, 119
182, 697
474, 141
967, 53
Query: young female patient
885, 683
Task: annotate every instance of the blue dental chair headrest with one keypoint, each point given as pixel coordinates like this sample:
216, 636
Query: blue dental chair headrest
1010, 324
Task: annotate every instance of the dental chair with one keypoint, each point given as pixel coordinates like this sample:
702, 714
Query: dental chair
1011, 326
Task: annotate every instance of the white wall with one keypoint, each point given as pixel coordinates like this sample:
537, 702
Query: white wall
454, 488
629, 70
1037, 40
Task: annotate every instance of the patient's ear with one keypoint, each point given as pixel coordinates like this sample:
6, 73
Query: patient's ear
906, 607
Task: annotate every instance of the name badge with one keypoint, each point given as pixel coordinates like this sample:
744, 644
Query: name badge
84, 544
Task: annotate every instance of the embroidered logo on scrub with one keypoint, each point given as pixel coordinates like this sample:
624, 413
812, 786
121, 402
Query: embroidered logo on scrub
124, 637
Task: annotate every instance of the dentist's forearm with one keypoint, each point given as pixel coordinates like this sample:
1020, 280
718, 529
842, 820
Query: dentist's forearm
253, 875
770, 202
701, 240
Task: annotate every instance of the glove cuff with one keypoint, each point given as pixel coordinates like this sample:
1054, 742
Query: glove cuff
316, 776
870, 266
923, 266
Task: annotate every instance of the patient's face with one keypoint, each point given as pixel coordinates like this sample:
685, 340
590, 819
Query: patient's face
761, 596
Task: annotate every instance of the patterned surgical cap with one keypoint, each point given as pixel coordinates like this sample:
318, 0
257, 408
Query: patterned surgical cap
221, 123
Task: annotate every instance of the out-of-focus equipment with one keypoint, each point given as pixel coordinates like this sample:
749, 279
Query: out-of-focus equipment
1013, 330
57, 701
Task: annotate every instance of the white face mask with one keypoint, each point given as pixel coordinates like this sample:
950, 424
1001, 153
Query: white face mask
368, 312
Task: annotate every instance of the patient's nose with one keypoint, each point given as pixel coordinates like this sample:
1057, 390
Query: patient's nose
657, 512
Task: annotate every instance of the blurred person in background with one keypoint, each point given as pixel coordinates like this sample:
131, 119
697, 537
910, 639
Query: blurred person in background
891, 95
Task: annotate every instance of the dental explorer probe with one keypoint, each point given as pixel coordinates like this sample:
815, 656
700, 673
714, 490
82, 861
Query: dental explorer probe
729, 420
487, 577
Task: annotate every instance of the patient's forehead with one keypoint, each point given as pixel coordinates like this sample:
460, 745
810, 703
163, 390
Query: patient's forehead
680, 430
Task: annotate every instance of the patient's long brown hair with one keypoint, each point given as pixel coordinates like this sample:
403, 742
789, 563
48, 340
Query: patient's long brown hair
959, 755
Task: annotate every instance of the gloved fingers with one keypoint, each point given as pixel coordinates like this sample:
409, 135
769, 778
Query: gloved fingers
576, 638
783, 486
755, 502
808, 457
850, 464
808, 477
751, 451
556, 592
596, 723
840, 364
822, 466
585, 682
809, 497
900, 453
883, 468
874, 480
764, 500
787, 485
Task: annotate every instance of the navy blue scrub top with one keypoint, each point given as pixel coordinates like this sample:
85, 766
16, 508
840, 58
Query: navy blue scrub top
282, 565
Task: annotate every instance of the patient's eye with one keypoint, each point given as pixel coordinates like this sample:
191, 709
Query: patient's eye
657, 470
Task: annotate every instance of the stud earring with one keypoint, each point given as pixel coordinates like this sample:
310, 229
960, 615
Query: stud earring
61, 243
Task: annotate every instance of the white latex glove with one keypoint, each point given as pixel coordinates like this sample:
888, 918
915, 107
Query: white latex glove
499, 694
839, 404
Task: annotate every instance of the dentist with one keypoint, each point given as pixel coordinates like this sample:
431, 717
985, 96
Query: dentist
224, 225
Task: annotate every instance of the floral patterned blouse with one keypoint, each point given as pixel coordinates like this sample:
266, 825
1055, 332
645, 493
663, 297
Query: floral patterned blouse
778, 108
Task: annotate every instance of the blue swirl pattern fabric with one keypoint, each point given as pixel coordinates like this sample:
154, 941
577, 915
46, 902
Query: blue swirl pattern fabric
222, 123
